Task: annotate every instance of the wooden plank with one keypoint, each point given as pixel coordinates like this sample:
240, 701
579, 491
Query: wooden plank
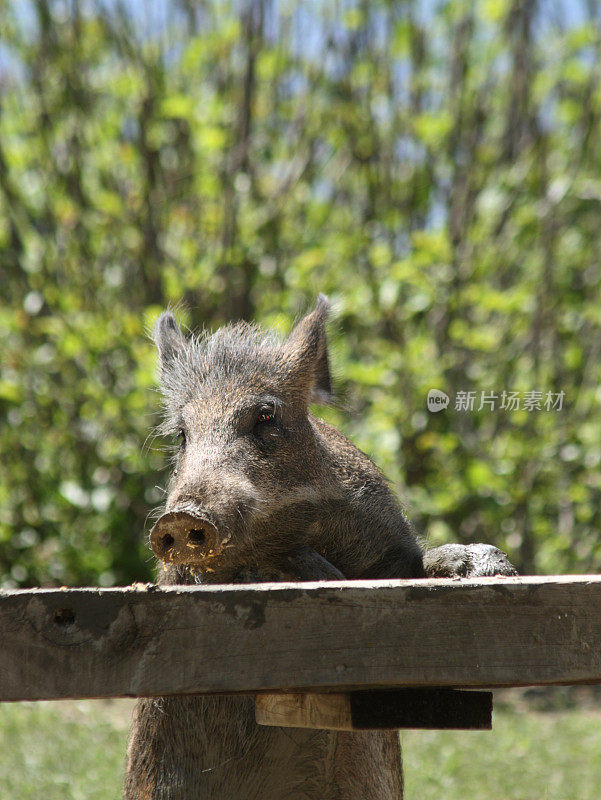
383, 709
270, 637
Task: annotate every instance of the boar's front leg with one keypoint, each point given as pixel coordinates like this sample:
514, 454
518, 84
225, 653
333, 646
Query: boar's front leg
466, 561
308, 565
304, 564
447, 561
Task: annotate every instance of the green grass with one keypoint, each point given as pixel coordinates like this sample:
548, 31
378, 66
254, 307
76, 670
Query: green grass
74, 750
65, 750
528, 755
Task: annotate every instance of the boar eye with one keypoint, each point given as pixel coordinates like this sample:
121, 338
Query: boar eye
266, 414
182, 435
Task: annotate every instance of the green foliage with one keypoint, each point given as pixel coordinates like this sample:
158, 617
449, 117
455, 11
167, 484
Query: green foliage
435, 172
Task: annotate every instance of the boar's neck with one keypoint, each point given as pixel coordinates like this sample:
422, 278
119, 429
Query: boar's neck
364, 533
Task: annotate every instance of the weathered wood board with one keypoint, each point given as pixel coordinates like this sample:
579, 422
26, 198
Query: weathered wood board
141, 640
377, 709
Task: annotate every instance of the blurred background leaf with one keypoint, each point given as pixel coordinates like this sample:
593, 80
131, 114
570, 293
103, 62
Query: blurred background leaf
434, 168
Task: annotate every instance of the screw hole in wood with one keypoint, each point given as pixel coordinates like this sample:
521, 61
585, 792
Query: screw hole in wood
64, 617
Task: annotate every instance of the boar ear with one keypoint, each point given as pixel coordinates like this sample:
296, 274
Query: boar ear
307, 347
168, 338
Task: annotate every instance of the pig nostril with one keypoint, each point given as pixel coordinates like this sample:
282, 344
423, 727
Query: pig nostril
196, 537
167, 542
179, 537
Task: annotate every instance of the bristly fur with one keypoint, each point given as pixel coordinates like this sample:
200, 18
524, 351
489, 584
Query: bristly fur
284, 498
240, 357
237, 356
276, 494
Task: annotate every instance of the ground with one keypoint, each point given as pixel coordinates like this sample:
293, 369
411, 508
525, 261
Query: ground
544, 746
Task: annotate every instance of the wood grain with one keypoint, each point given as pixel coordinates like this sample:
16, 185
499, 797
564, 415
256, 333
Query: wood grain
146, 640
331, 711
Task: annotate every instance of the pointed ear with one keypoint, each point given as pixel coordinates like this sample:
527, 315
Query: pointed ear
307, 349
169, 339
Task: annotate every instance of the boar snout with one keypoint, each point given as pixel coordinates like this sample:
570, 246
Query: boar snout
179, 537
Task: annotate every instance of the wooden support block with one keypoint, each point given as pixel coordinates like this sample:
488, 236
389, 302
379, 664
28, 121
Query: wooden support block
377, 709
331, 711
